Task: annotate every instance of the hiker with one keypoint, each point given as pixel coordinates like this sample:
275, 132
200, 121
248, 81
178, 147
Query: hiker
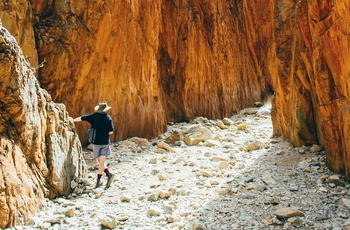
103, 124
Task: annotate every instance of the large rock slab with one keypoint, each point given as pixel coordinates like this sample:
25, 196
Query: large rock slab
40, 152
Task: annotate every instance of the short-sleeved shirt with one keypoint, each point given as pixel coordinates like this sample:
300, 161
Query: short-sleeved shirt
103, 126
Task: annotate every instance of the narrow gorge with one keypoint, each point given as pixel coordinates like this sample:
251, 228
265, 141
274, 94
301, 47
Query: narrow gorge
158, 62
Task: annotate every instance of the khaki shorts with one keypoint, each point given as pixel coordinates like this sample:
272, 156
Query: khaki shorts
101, 150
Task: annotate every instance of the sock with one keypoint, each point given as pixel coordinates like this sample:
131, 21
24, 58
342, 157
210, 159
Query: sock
106, 170
99, 176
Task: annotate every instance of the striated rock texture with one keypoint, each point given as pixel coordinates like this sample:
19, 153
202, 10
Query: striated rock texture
16, 16
155, 61
39, 151
312, 99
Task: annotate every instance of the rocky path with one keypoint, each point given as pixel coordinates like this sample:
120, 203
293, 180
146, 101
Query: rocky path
222, 174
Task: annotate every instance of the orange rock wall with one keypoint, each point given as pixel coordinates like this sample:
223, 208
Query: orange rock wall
161, 61
155, 61
312, 100
16, 16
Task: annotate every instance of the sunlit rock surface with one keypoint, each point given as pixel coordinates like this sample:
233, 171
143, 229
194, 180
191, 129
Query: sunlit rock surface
156, 61
312, 100
39, 151
17, 17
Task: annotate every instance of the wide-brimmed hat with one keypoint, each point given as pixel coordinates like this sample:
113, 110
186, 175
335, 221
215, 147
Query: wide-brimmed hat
102, 107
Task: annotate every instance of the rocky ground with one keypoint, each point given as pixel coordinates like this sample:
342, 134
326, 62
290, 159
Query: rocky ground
207, 174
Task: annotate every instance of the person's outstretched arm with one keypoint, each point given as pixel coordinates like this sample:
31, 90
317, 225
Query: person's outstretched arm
77, 119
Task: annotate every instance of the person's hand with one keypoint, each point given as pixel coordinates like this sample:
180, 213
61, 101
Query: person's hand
76, 119
71, 123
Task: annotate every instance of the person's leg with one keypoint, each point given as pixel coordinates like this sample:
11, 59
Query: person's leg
97, 156
100, 153
106, 151
102, 167
101, 164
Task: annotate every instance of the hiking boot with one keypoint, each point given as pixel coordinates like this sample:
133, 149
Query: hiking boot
98, 183
110, 177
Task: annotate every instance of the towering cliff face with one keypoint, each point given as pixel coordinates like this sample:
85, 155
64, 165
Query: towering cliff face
312, 88
155, 61
211, 61
39, 152
16, 16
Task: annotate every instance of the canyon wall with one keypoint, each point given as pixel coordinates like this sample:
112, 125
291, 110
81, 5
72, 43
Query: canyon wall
312, 97
40, 153
155, 61
158, 61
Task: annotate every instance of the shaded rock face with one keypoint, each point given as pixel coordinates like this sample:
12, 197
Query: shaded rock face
39, 151
155, 61
312, 99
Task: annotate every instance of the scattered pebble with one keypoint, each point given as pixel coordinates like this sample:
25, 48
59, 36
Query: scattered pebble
222, 174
